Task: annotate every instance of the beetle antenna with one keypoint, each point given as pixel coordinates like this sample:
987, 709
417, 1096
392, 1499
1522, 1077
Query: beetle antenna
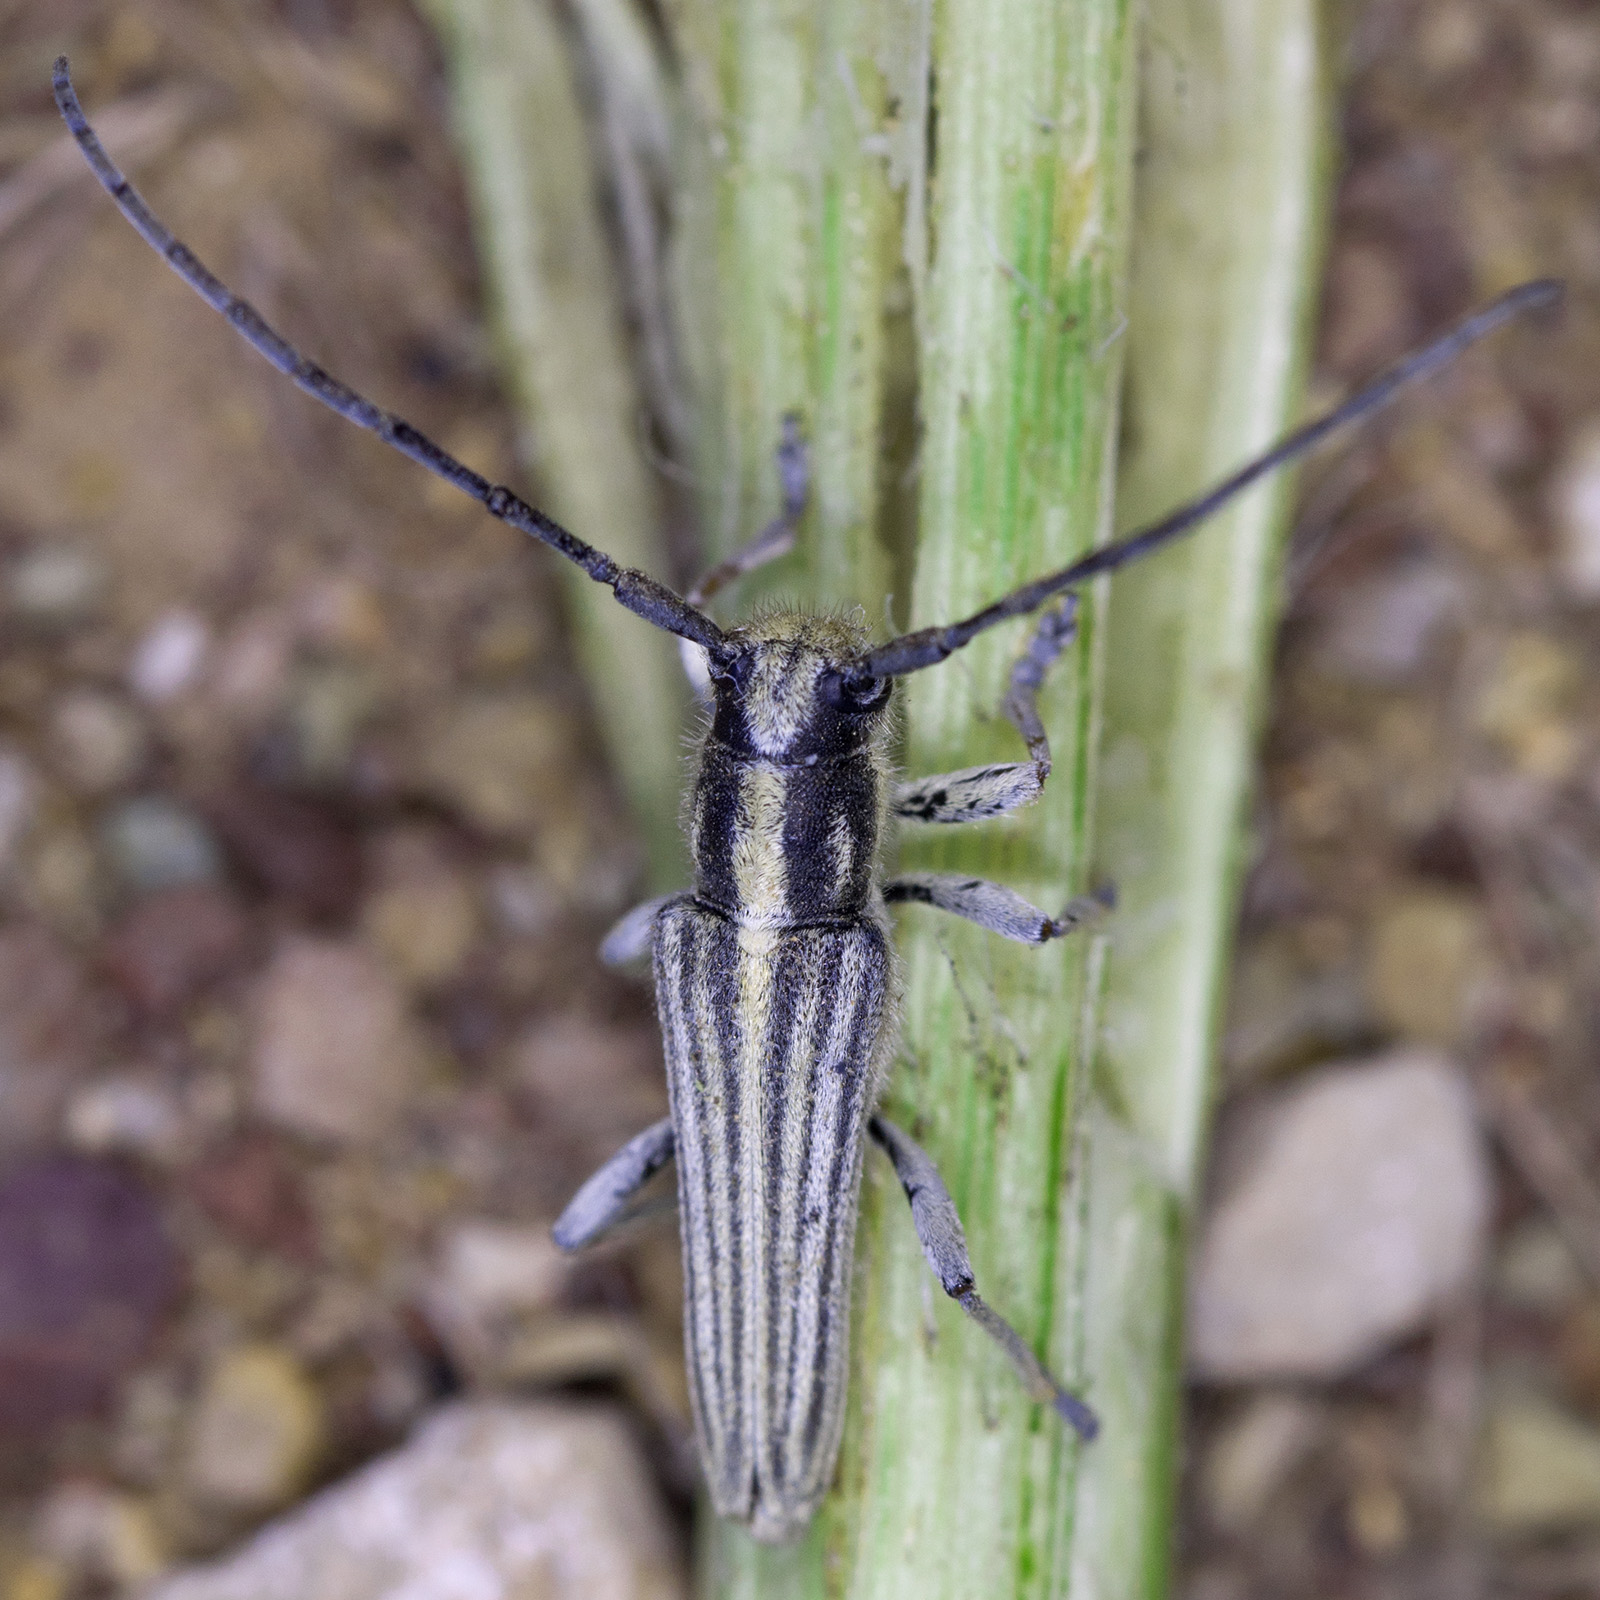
639, 592
928, 646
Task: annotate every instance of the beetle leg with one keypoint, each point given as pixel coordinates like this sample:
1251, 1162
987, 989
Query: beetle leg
777, 538
995, 907
975, 793
633, 934
774, 540
1057, 628
603, 1201
939, 1231
969, 795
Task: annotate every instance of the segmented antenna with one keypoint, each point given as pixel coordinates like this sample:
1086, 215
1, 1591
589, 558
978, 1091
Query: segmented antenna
639, 592
654, 601
928, 646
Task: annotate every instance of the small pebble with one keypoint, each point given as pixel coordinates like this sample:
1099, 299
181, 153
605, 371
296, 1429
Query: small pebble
424, 916
1252, 1454
168, 658
503, 1266
501, 758
249, 671
153, 842
63, 876
249, 1186
1428, 964
488, 1501
1540, 1469
1554, 127
151, 1410
492, 1267
55, 584
173, 943
256, 1431
1451, 37
100, 1535
36, 1577
1377, 1518
330, 702
335, 1053
342, 613
98, 741
595, 1079
1360, 1207
1527, 704
522, 900
1575, 501
127, 1115
1382, 629
491, 1280
82, 1247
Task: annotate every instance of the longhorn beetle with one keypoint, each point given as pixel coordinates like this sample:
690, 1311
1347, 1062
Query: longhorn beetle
774, 973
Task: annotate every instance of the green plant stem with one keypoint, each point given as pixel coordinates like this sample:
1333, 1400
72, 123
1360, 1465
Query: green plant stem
559, 316
791, 285
954, 1484
907, 220
949, 1484
1227, 237
1012, 255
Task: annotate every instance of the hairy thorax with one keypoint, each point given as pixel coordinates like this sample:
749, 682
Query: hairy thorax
788, 807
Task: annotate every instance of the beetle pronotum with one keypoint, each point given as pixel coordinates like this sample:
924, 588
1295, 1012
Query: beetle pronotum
775, 973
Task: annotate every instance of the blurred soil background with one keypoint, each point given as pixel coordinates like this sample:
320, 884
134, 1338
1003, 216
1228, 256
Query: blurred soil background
306, 842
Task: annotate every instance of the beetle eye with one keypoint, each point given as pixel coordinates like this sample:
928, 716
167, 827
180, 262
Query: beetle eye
733, 668
846, 693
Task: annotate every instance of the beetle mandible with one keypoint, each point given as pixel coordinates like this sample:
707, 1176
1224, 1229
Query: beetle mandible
774, 972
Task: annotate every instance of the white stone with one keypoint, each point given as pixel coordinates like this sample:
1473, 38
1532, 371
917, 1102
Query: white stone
602, 1081
100, 1535
154, 843
167, 659
127, 1114
335, 1053
1362, 1207
495, 1267
491, 1279
488, 1501
1575, 494
1383, 628
522, 902
56, 583
98, 741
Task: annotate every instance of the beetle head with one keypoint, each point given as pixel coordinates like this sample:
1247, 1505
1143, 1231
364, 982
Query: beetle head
785, 691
